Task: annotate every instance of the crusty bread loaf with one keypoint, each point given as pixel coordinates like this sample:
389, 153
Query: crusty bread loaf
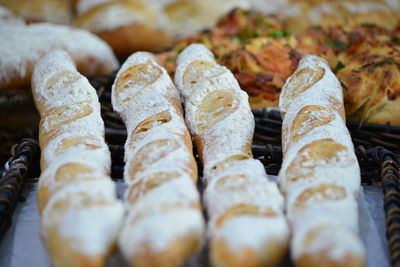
6, 16
80, 214
152, 25
127, 25
299, 15
372, 82
165, 224
23, 45
320, 176
54, 11
246, 222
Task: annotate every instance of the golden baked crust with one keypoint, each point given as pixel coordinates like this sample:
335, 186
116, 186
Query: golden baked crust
262, 67
84, 64
263, 57
254, 47
160, 171
139, 32
61, 248
55, 11
243, 229
92, 56
124, 40
320, 174
372, 85
222, 255
175, 255
80, 213
323, 260
306, 14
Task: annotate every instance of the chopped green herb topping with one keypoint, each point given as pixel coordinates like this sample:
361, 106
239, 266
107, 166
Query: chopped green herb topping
278, 34
338, 67
371, 66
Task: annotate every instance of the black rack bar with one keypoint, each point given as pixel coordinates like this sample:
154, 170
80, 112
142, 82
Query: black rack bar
12, 179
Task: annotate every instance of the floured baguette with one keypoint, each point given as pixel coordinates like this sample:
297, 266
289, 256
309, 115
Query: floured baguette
23, 45
246, 222
165, 224
320, 175
80, 214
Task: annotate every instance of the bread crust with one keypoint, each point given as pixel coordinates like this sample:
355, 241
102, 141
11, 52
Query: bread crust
160, 169
320, 176
54, 11
92, 56
126, 39
305, 14
80, 213
127, 26
246, 224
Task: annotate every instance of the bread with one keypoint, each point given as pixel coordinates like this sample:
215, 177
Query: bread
127, 25
246, 222
54, 11
253, 46
262, 56
299, 15
132, 25
165, 225
372, 80
6, 16
320, 176
80, 214
23, 45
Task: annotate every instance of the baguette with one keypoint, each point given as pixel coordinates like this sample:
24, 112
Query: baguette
164, 226
23, 45
80, 214
246, 222
320, 176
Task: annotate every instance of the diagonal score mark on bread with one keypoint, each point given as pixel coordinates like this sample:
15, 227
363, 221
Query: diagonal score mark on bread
214, 108
308, 118
323, 153
300, 81
144, 158
136, 78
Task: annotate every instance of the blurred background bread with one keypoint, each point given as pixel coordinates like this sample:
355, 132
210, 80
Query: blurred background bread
302, 14
54, 11
262, 48
262, 55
